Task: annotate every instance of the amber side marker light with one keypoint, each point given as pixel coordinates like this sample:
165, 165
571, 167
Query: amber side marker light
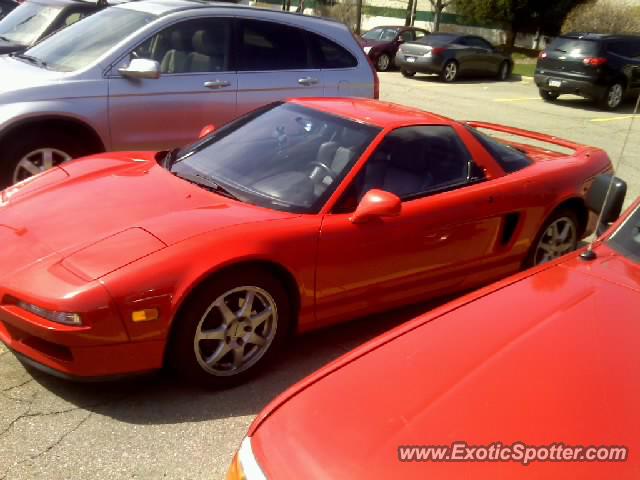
145, 315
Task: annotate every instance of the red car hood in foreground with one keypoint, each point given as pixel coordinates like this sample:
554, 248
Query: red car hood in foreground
100, 213
552, 357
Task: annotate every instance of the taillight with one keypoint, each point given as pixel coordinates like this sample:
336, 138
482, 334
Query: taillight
437, 51
542, 55
594, 61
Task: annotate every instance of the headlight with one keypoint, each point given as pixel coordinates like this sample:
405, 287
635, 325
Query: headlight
367, 50
244, 465
57, 317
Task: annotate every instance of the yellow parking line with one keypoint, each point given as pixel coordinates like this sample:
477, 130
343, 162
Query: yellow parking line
613, 119
521, 99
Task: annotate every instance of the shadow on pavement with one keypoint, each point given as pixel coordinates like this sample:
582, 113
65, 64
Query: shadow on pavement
162, 399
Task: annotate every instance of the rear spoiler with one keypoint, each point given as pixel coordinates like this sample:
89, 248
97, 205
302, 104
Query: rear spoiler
541, 137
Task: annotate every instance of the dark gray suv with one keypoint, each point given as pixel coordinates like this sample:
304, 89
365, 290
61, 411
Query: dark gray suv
604, 68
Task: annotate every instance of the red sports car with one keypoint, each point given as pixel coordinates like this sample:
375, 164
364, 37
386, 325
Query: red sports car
296, 216
533, 377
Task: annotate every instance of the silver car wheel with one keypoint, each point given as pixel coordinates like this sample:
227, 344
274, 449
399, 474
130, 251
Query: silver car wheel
504, 71
614, 96
558, 239
383, 62
450, 71
236, 331
38, 161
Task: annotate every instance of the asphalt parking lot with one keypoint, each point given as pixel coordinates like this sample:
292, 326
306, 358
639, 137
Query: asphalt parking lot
154, 427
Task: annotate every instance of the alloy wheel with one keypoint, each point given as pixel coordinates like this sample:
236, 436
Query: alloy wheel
236, 331
558, 239
614, 95
504, 71
38, 161
383, 62
450, 71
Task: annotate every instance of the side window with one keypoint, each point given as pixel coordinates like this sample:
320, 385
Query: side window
419, 34
72, 17
190, 47
477, 43
267, 46
408, 36
328, 54
412, 162
629, 49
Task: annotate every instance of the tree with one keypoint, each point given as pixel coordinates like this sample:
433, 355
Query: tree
517, 15
438, 6
409, 15
604, 16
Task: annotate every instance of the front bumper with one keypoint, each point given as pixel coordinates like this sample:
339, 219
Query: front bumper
418, 63
84, 352
583, 88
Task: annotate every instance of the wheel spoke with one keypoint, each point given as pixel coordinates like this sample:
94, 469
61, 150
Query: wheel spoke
47, 159
256, 339
216, 356
247, 306
547, 248
213, 334
226, 312
238, 356
259, 318
564, 233
30, 167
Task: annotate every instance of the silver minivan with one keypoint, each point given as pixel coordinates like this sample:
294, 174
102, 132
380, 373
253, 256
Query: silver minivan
149, 75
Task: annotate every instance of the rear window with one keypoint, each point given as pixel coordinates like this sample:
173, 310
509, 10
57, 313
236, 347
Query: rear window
328, 54
436, 40
575, 48
509, 158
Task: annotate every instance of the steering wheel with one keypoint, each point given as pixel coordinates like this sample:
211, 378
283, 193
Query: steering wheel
329, 173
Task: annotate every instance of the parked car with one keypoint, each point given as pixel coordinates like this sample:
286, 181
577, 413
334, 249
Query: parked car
34, 20
601, 67
546, 358
297, 216
381, 43
6, 6
147, 75
452, 55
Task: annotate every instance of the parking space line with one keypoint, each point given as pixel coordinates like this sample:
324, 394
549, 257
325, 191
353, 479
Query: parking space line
520, 99
613, 119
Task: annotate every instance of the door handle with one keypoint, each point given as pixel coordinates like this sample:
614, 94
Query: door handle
216, 84
308, 81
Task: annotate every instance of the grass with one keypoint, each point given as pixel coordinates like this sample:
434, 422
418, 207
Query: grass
524, 69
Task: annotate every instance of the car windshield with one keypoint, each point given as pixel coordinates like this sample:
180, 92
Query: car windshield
510, 159
626, 239
84, 42
27, 23
436, 40
381, 34
284, 156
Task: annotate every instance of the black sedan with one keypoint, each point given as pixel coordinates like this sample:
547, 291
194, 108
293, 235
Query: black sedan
451, 56
35, 19
6, 6
381, 43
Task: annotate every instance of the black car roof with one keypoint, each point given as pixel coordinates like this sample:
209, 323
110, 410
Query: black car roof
87, 3
599, 36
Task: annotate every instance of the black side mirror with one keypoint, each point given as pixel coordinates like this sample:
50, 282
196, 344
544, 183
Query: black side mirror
595, 199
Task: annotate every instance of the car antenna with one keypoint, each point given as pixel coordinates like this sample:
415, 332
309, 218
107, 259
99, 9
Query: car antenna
589, 254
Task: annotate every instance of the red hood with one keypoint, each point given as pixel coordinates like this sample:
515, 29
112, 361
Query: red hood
124, 199
550, 358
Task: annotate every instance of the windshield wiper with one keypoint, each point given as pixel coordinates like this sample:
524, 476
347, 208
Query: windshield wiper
32, 59
205, 182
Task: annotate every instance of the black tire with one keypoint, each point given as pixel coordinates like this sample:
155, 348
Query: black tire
199, 311
504, 72
450, 70
19, 145
613, 97
407, 73
548, 96
383, 63
535, 253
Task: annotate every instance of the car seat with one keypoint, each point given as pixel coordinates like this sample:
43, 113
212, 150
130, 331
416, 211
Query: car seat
209, 51
176, 58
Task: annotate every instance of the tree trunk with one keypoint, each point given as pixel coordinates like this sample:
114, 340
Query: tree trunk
511, 39
437, 15
407, 21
